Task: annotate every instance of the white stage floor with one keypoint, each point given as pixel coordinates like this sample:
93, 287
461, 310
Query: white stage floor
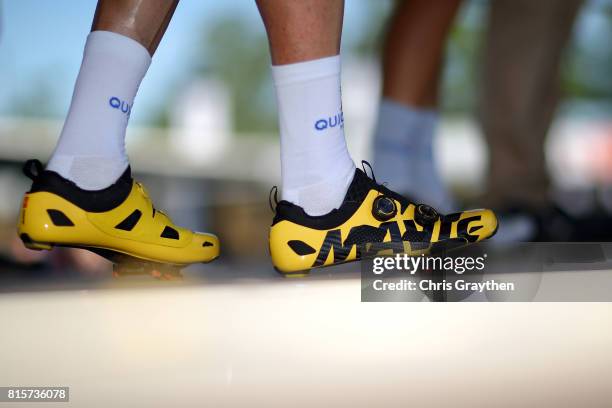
301, 343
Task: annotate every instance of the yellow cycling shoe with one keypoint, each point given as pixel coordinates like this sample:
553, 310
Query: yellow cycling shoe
370, 214
118, 222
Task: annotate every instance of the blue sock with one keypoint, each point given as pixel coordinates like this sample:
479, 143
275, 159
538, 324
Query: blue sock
404, 156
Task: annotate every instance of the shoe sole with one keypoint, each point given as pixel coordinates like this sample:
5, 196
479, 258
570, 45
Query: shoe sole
124, 264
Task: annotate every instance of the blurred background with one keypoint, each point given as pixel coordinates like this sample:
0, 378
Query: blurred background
203, 133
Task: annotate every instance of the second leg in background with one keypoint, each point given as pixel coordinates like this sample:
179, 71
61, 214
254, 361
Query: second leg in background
408, 116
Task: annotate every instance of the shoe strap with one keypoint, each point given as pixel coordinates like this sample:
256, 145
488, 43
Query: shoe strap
146, 196
274, 196
365, 163
32, 169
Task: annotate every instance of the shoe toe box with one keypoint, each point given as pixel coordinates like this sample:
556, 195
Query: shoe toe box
477, 225
208, 244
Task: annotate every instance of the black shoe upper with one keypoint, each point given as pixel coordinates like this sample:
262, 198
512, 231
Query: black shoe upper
89, 200
356, 193
553, 224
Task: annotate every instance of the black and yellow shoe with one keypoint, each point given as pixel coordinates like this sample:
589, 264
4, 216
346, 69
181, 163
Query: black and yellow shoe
118, 222
370, 214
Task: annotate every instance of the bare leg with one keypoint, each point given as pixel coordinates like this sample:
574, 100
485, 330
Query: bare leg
414, 49
302, 30
145, 21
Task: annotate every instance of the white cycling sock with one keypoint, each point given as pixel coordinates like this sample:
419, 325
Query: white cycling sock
404, 156
316, 167
91, 147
